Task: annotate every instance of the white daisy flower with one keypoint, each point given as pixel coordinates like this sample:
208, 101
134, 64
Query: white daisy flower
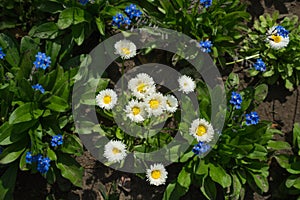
276, 40
125, 48
115, 151
141, 85
171, 103
107, 99
186, 84
155, 104
136, 111
202, 130
157, 174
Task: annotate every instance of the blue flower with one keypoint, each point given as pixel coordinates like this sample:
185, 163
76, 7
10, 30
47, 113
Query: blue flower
38, 87
206, 3
205, 46
282, 31
83, 2
42, 61
36, 157
201, 148
2, 55
57, 140
118, 20
28, 157
259, 65
236, 100
132, 11
43, 164
252, 118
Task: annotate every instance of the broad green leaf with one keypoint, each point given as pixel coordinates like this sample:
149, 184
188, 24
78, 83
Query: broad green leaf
260, 181
24, 113
283, 160
71, 16
10, 48
7, 182
72, 145
169, 190
219, 175
279, 145
184, 178
261, 92
296, 136
232, 81
56, 103
208, 188
47, 30
101, 25
12, 152
70, 169
52, 50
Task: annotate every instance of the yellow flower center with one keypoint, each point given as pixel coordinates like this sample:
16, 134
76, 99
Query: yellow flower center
107, 99
154, 103
141, 87
116, 150
125, 50
201, 130
155, 174
136, 110
276, 38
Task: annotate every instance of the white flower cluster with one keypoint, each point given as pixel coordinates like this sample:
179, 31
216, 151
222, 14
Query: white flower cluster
146, 100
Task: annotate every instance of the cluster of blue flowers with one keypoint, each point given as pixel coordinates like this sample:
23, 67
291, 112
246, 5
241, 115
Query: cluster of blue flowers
38, 87
236, 100
42, 61
2, 55
201, 148
56, 140
252, 118
205, 46
259, 65
282, 31
131, 11
206, 3
43, 163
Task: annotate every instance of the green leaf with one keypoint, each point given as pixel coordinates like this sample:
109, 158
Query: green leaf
208, 188
56, 103
232, 81
70, 169
7, 182
51, 154
283, 161
10, 48
78, 33
169, 190
261, 92
52, 50
184, 178
12, 152
296, 136
279, 145
24, 113
72, 145
101, 25
260, 181
71, 16
219, 175
47, 30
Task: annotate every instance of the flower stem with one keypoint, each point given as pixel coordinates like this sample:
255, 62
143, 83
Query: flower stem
241, 60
